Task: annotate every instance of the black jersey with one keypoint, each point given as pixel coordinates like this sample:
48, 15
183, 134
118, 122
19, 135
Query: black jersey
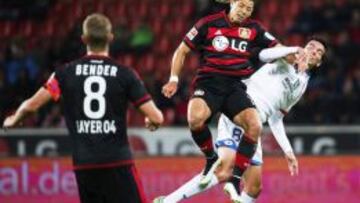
94, 93
226, 48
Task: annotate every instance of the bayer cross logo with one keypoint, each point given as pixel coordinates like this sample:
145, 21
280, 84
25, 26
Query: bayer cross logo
220, 43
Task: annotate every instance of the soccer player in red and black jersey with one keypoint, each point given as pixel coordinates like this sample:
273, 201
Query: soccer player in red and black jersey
94, 91
226, 42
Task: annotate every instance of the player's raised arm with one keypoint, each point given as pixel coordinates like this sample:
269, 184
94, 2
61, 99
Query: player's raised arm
278, 52
177, 63
276, 125
29, 106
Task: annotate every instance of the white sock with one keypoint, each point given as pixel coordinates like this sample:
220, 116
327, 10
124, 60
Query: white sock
246, 198
189, 189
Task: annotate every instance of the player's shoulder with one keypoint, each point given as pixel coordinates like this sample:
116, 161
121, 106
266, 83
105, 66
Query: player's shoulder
64, 66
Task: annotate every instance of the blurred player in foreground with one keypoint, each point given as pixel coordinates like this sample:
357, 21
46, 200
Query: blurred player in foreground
94, 92
275, 88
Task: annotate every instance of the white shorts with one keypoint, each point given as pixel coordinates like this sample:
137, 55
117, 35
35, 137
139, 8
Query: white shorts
229, 135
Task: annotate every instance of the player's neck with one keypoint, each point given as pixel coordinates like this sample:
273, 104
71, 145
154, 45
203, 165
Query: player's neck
97, 53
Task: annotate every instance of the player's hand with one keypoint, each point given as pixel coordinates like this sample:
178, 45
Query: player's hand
9, 122
150, 125
292, 164
169, 89
302, 59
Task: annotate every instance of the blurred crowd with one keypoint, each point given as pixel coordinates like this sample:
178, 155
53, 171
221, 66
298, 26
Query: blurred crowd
147, 33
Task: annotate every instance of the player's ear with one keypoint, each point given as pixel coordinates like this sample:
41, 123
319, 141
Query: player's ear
84, 39
110, 37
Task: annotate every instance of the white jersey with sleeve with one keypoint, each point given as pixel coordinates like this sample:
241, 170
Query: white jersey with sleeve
275, 88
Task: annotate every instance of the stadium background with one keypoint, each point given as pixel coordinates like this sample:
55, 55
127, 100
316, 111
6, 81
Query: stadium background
38, 35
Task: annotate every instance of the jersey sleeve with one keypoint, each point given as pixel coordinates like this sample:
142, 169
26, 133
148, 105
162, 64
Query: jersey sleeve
196, 36
264, 39
137, 92
53, 87
276, 125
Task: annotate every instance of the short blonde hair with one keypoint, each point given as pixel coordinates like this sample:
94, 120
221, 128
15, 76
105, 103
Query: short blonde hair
96, 29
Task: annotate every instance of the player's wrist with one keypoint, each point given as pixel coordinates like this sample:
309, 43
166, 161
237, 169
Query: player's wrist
174, 78
289, 154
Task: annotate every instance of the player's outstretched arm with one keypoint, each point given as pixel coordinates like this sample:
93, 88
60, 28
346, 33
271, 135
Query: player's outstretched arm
278, 52
29, 106
276, 125
170, 88
153, 116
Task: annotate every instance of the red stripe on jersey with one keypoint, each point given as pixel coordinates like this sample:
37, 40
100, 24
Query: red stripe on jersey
226, 62
235, 32
142, 100
52, 86
103, 165
227, 51
242, 72
138, 184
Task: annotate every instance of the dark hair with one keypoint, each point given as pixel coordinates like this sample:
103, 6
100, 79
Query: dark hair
96, 29
319, 39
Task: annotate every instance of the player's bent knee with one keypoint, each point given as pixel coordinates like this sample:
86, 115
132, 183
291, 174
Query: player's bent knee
255, 129
196, 122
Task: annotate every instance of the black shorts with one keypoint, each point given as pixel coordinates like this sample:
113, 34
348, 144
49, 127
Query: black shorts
110, 185
223, 94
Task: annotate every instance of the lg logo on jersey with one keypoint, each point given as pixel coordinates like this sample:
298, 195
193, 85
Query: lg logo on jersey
221, 43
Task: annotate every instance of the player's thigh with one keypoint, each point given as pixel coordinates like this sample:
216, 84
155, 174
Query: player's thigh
248, 118
203, 105
121, 184
240, 108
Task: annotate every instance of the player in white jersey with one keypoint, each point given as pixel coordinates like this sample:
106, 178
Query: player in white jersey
275, 88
